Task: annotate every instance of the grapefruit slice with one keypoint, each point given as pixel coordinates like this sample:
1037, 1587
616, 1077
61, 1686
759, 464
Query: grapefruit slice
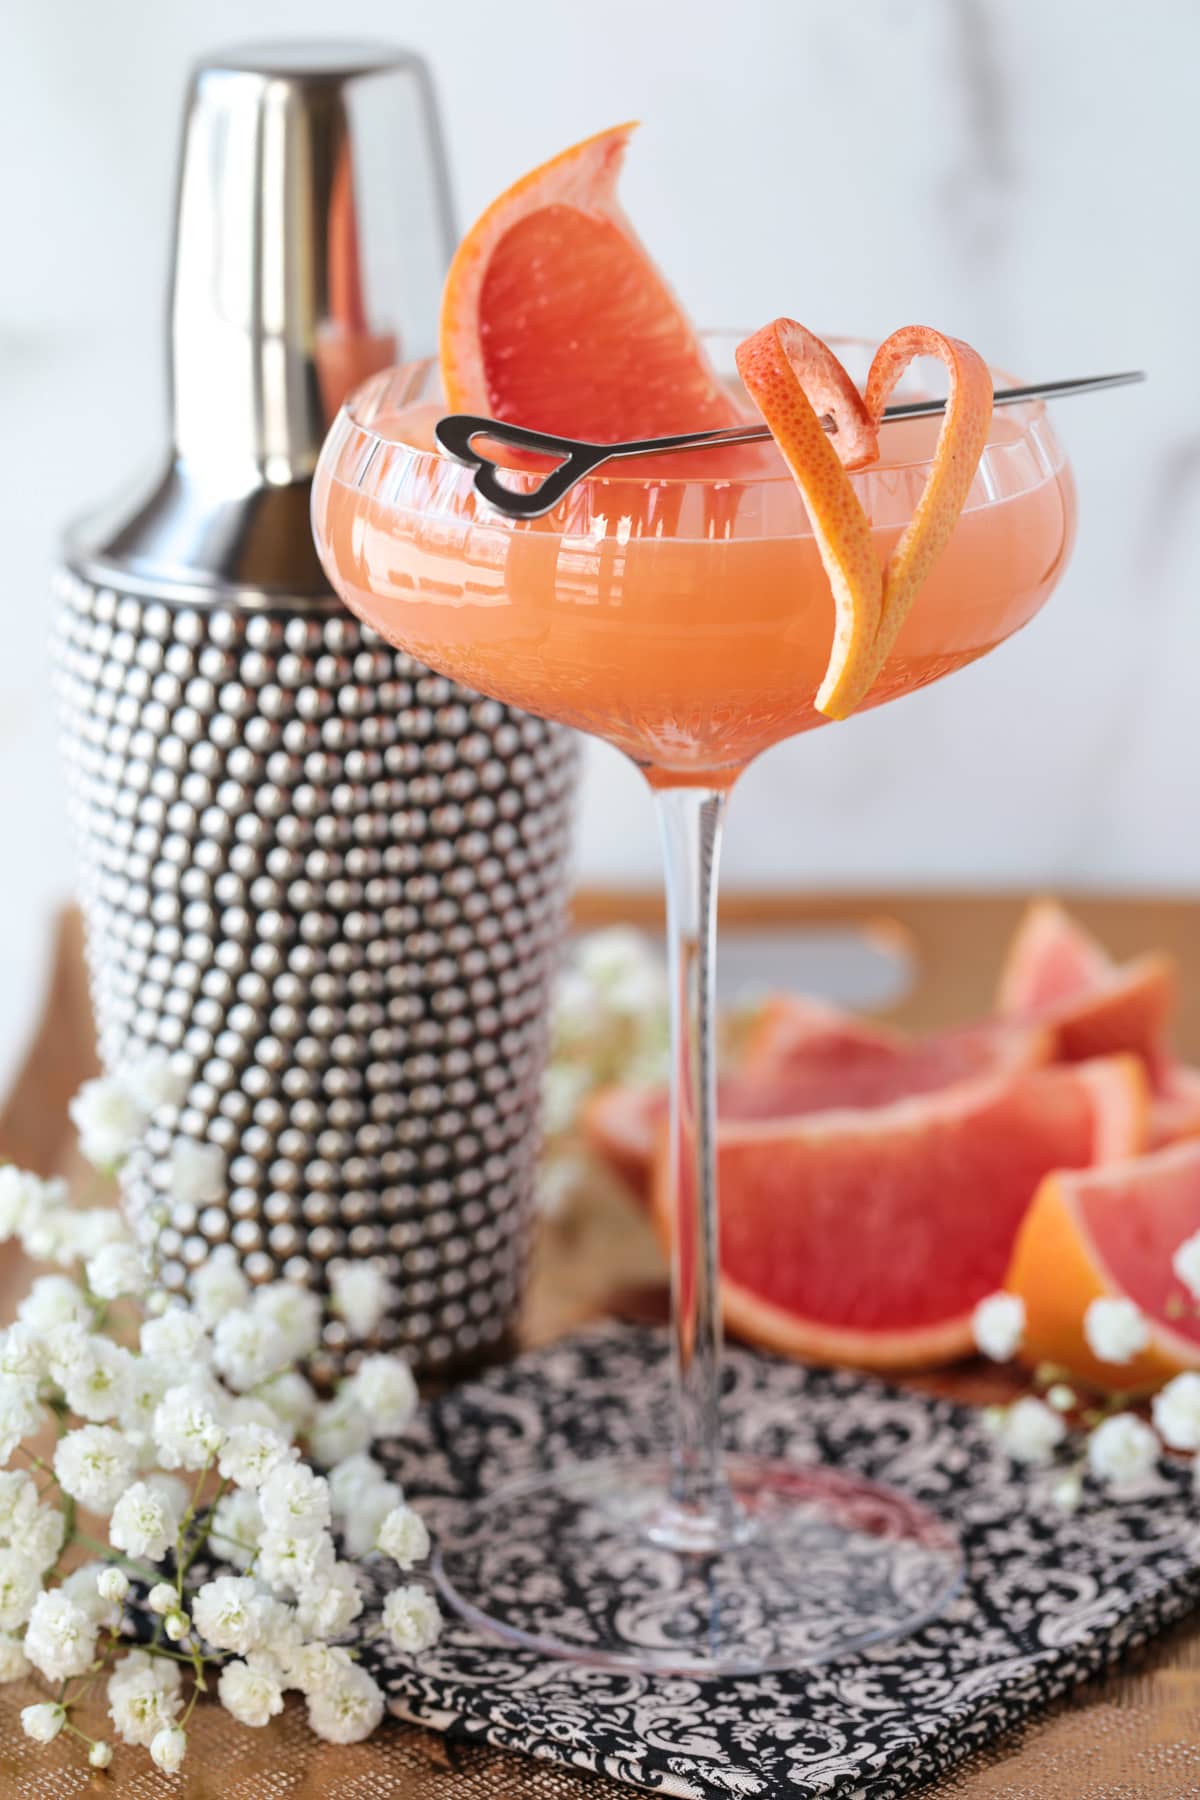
1058, 974
1175, 1105
553, 315
1106, 1231
868, 1237
803, 1058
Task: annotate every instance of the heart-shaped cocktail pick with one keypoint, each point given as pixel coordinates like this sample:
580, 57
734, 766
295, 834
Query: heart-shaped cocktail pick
457, 432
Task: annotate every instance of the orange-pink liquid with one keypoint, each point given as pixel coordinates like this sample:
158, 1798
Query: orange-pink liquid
688, 622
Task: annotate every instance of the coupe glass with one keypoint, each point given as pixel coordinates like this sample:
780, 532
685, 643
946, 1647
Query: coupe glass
681, 612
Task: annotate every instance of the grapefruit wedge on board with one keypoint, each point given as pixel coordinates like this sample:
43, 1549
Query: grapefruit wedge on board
1111, 1231
554, 316
868, 1237
1059, 976
802, 1057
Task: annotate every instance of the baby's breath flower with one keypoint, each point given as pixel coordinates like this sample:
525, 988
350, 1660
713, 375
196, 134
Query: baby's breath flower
364, 1519
998, 1323
295, 1501
177, 1338
292, 1400
20, 1585
43, 1722
340, 1429
225, 1613
100, 1754
24, 1198
108, 1119
1030, 1431
61, 1638
54, 1300
248, 1347
148, 1383
237, 1527
187, 1427
153, 1081
294, 1564
14, 1664
22, 1352
162, 1598
41, 1537
90, 1230
1122, 1450
1186, 1264
249, 1453
168, 1747
219, 1287
99, 1384
347, 1708
411, 1619
1061, 1397
294, 1312
1115, 1329
384, 1388
112, 1584
117, 1269
331, 1604
143, 1696
252, 1691
403, 1536
18, 1502
20, 1412
144, 1523
197, 1175
95, 1465
82, 1586
349, 1480
1176, 1412
361, 1296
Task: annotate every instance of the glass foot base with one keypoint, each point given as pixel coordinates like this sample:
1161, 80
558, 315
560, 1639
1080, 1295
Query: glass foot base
583, 1565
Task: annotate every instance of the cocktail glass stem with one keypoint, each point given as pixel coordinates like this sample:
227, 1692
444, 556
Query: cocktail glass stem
701, 1514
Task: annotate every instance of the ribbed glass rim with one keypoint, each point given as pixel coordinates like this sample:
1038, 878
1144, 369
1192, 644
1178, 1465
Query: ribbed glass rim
403, 385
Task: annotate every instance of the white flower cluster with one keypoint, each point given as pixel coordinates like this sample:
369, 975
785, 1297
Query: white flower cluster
1122, 1449
609, 1023
184, 1426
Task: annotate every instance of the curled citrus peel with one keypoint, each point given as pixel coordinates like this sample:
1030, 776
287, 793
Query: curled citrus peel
959, 447
797, 383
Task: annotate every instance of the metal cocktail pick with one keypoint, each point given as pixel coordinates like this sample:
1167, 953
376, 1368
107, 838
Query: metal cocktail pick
457, 432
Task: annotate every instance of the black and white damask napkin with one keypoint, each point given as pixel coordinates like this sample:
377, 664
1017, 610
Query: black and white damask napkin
1050, 1598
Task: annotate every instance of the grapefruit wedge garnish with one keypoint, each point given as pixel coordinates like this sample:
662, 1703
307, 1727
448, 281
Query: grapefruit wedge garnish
553, 315
802, 1058
868, 1237
1058, 975
1111, 1231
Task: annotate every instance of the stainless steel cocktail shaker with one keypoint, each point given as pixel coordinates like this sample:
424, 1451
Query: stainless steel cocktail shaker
328, 879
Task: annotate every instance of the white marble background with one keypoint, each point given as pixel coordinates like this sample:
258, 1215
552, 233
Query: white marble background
1022, 172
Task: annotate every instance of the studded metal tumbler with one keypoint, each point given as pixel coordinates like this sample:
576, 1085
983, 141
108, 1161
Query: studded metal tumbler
329, 880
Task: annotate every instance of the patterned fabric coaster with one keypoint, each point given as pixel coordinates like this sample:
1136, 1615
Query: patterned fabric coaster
1050, 1599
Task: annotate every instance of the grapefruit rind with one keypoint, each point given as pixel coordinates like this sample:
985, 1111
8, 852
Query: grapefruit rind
553, 315
1058, 1269
788, 373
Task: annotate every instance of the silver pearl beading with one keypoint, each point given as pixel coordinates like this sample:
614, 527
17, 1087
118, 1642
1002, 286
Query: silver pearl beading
334, 883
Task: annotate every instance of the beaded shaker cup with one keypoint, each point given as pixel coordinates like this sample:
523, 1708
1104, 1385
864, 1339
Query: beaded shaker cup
329, 881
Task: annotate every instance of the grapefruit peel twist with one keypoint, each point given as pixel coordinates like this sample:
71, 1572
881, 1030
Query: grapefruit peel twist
796, 382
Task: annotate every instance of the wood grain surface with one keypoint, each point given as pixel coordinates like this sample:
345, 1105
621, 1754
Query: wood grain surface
1134, 1736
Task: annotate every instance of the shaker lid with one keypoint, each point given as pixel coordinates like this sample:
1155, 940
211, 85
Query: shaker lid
312, 233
